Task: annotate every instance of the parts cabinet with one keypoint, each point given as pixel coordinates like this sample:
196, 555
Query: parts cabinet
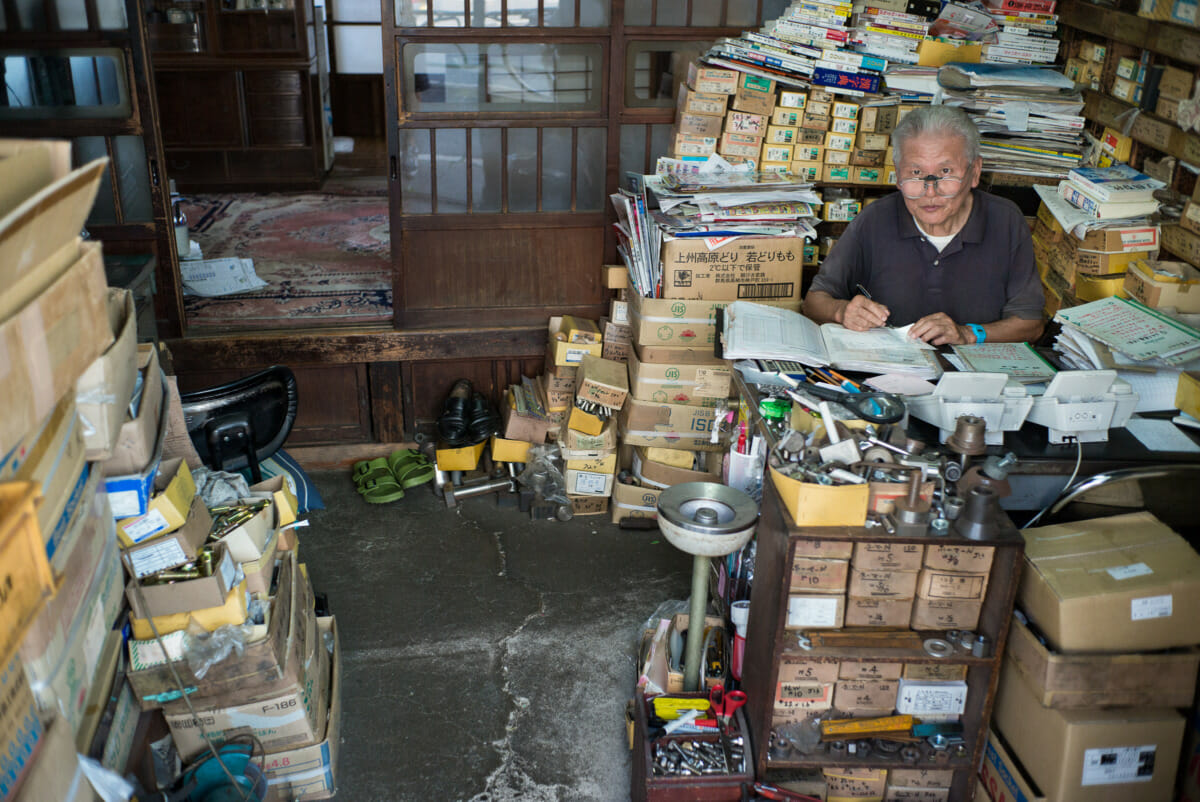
239, 89
769, 641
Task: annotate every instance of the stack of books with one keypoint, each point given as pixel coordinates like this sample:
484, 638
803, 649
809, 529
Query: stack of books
1027, 35
891, 35
1110, 193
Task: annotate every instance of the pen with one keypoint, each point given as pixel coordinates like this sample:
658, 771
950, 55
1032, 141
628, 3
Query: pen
863, 290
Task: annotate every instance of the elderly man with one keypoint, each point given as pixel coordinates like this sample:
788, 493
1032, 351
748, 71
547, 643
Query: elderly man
951, 259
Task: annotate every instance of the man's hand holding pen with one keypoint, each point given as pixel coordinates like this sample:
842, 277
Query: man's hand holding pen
861, 313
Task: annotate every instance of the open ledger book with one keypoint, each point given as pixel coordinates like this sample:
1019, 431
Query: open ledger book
754, 331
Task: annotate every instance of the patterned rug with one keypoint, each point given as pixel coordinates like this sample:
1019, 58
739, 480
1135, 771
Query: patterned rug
326, 257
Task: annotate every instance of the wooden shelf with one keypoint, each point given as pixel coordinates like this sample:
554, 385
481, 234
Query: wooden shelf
1147, 129
877, 655
1164, 38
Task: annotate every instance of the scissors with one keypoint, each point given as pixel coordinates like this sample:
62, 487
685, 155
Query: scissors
871, 406
725, 703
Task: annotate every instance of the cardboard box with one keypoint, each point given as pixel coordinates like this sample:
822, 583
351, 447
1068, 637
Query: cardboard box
602, 463
1122, 755
174, 490
711, 79
588, 505
1101, 263
1120, 238
184, 596
945, 614
814, 575
1187, 393
310, 772
272, 662
1120, 584
1176, 83
1156, 679
853, 695
602, 381
645, 423
971, 559
791, 99
690, 101
49, 342
618, 337
808, 171
43, 214
676, 322
866, 669
586, 422
652, 473
464, 458
703, 385
939, 584
926, 698
1003, 777
787, 117
1180, 290
815, 611
632, 501
702, 125
571, 440
567, 353
526, 428
56, 773
509, 450
170, 549
806, 669
589, 483
812, 504
888, 556
735, 144
935, 672
867, 175
840, 125
232, 612
878, 612
297, 717
25, 572
776, 153
854, 783
20, 729
754, 95
102, 393
780, 135
138, 438
882, 584
741, 122
838, 158
898, 793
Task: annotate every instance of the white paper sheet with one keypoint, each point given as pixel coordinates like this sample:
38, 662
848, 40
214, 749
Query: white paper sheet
213, 278
1161, 435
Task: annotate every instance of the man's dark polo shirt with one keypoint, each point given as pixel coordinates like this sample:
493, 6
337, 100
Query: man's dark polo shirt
985, 274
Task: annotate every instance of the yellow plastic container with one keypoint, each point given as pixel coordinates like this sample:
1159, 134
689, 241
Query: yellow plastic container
26, 580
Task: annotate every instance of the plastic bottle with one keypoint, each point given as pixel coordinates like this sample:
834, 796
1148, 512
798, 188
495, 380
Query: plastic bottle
739, 613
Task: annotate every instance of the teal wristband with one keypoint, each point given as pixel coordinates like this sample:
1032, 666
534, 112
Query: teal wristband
979, 332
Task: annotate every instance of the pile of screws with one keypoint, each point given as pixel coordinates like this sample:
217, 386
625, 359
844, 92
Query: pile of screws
229, 517
693, 757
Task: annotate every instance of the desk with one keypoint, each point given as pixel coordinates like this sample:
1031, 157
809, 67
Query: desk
1043, 469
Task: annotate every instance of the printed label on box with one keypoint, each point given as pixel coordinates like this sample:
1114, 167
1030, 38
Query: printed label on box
712, 383
1129, 571
159, 557
1118, 764
125, 503
808, 611
590, 483
1150, 607
148, 525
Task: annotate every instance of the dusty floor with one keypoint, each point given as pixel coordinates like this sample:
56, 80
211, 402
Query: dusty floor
487, 657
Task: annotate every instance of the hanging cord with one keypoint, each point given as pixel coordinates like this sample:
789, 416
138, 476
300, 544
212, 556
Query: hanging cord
1066, 487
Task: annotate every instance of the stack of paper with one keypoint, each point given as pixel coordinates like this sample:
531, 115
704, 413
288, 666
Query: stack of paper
1019, 360
754, 331
733, 203
638, 239
1027, 32
892, 35
1028, 117
1147, 348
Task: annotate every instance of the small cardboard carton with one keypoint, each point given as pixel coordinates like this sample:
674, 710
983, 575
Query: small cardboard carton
878, 612
889, 584
631, 501
1118, 755
602, 381
973, 559
945, 614
589, 483
232, 612
567, 353
815, 611
1003, 778
56, 772
187, 595
645, 423
888, 556
853, 695
175, 548
463, 458
1164, 284
810, 574
1148, 679
174, 490
138, 436
660, 475
1121, 584
938, 584
812, 504
102, 393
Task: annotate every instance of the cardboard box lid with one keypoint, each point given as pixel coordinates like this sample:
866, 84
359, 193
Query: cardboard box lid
1105, 555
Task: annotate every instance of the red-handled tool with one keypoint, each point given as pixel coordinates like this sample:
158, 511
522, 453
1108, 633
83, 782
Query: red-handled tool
725, 703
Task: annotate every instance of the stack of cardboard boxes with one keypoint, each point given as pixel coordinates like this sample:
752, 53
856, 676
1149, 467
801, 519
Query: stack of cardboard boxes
1075, 271
96, 485
1095, 673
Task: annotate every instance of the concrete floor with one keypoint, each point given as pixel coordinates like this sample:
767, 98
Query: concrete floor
487, 657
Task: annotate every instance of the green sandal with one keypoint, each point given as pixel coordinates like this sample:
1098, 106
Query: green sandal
411, 468
383, 490
370, 470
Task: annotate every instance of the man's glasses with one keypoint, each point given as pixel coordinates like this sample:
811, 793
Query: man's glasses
945, 186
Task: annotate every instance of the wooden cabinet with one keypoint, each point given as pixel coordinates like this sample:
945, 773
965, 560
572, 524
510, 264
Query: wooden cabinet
770, 644
239, 93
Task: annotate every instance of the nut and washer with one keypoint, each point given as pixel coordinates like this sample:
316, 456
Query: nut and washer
936, 647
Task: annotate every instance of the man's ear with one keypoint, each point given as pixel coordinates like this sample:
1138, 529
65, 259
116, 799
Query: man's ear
977, 171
